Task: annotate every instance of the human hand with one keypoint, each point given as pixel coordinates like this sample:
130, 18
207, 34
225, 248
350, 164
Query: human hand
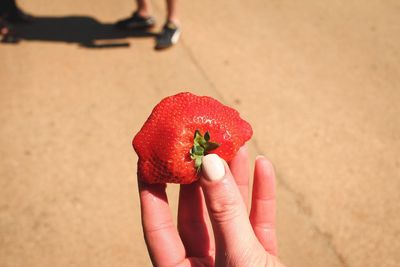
235, 239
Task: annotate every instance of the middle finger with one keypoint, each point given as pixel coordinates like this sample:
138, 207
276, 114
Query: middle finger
195, 233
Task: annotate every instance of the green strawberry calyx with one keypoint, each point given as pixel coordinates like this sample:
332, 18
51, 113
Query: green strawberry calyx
201, 146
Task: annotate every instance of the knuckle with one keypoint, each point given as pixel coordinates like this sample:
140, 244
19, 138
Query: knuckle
225, 208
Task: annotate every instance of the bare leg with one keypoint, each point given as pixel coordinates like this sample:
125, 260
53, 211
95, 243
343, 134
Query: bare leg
143, 8
172, 13
171, 31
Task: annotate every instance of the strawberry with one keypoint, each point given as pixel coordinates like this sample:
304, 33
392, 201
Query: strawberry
180, 130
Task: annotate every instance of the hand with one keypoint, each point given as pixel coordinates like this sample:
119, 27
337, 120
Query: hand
220, 195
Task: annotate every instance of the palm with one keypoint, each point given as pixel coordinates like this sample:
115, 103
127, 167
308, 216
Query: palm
192, 242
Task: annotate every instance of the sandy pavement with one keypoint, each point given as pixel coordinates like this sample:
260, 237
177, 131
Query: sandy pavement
319, 82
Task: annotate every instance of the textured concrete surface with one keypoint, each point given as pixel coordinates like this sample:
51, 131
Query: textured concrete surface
318, 81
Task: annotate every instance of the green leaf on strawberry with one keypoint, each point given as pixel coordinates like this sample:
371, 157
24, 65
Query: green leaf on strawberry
201, 147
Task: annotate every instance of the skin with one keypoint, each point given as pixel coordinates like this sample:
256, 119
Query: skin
144, 9
214, 228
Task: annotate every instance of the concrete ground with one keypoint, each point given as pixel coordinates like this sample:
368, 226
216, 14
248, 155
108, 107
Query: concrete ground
318, 81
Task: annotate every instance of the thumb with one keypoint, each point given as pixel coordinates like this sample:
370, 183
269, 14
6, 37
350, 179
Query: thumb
227, 211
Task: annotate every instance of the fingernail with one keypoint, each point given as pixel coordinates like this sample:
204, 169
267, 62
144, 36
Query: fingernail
260, 157
213, 167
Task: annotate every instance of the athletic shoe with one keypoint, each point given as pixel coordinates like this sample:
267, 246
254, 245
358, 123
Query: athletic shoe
169, 36
136, 22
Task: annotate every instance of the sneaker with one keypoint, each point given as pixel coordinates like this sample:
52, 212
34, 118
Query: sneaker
169, 36
136, 22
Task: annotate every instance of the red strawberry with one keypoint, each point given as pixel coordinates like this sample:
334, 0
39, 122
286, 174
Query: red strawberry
180, 130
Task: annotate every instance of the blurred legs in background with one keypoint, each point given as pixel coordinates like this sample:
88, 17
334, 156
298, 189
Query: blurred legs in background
141, 19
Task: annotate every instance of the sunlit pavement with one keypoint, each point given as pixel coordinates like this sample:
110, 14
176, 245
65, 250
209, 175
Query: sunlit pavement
319, 82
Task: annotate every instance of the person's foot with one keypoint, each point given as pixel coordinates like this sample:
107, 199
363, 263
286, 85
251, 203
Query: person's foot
136, 22
169, 36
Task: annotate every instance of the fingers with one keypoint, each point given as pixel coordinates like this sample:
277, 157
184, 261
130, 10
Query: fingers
262, 214
240, 169
226, 208
192, 225
162, 238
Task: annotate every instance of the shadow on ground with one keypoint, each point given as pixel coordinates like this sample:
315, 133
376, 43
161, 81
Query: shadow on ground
82, 30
